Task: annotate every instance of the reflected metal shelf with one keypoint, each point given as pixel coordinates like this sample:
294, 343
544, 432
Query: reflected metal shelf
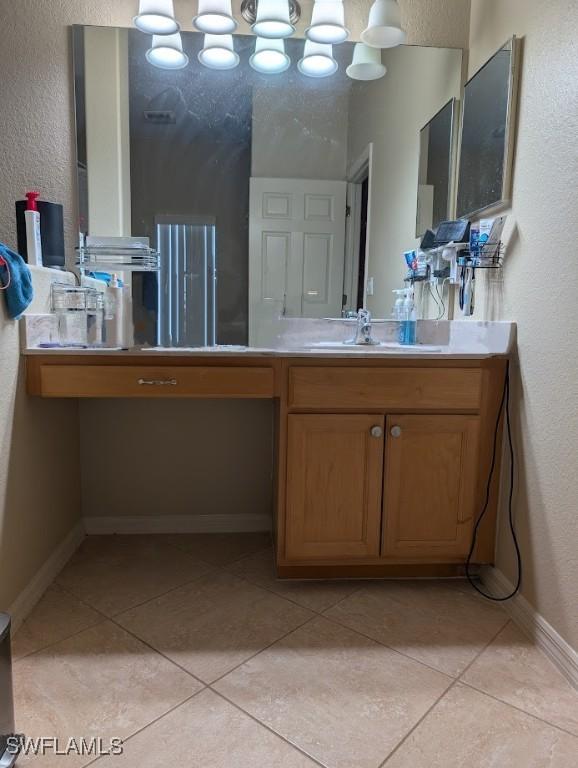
111, 259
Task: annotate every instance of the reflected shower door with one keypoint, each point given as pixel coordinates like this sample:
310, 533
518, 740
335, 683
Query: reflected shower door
187, 281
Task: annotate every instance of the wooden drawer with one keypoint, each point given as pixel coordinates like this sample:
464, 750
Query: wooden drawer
156, 381
329, 388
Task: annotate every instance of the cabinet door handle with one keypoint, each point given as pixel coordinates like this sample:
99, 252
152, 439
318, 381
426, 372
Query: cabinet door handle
157, 382
376, 431
396, 431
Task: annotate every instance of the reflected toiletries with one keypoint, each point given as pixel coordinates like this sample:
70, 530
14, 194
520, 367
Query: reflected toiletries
115, 323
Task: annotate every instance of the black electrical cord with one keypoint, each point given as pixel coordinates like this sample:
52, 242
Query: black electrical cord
505, 402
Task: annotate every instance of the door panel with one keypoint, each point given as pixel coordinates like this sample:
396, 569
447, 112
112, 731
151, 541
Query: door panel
309, 217
275, 249
316, 270
430, 486
334, 475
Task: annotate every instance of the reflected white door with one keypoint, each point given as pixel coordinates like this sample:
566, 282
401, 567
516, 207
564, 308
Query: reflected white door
296, 251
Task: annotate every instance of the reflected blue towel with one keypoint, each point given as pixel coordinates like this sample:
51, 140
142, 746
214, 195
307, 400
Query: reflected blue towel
15, 282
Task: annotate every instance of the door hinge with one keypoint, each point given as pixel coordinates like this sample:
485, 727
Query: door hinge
347, 211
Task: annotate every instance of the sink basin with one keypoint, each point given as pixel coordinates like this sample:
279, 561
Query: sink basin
214, 348
381, 347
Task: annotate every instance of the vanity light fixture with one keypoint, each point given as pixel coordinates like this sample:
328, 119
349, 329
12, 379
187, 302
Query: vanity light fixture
366, 64
384, 25
167, 52
270, 57
215, 17
273, 19
218, 52
317, 60
156, 17
327, 22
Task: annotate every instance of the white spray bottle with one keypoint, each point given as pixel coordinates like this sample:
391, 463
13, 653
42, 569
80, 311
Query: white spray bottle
32, 219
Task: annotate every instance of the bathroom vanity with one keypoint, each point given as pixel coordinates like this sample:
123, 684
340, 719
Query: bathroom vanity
382, 459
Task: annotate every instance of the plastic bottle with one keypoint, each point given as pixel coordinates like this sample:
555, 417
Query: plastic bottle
115, 322
408, 324
397, 313
32, 219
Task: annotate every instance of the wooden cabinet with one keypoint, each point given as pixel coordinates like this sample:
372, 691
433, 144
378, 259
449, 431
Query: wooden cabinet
334, 485
429, 486
381, 464
401, 504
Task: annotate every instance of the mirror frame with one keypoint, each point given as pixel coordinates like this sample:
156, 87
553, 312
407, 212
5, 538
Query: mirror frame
453, 161
505, 200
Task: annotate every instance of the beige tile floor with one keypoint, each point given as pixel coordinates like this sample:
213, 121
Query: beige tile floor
190, 651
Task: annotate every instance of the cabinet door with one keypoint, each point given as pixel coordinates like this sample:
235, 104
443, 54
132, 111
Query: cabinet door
334, 486
430, 486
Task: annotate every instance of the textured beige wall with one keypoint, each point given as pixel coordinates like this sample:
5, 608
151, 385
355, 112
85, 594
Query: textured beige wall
39, 464
538, 291
191, 457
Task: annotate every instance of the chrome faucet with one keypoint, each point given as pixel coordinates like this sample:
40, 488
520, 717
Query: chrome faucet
363, 334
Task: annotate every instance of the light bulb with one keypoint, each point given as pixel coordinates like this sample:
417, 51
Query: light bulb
167, 52
215, 17
317, 60
366, 64
218, 52
327, 22
270, 57
156, 17
273, 20
384, 25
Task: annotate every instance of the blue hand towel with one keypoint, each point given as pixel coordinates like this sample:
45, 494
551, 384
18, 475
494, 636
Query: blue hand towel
15, 282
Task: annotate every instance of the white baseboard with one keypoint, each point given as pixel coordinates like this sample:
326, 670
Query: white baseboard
177, 524
44, 577
534, 625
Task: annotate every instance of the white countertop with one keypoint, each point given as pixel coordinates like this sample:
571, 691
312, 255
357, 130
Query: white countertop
463, 340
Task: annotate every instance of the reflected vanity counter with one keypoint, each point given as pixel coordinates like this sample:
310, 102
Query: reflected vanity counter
381, 454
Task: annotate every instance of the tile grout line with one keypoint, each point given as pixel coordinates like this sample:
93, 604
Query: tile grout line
256, 583
454, 682
112, 620
518, 709
390, 648
148, 725
497, 698
416, 726
268, 728
265, 648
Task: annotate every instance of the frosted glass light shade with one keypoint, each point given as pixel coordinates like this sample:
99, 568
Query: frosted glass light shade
218, 52
317, 60
327, 22
215, 17
270, 57
366, 64
273, 20
156, 17
167, 52
384, 25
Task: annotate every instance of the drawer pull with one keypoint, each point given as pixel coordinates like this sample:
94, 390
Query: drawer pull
396, 431
157, 382
376, 431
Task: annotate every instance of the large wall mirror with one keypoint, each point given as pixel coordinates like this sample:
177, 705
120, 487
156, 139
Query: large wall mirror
435, 196
487, 136
267, 195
